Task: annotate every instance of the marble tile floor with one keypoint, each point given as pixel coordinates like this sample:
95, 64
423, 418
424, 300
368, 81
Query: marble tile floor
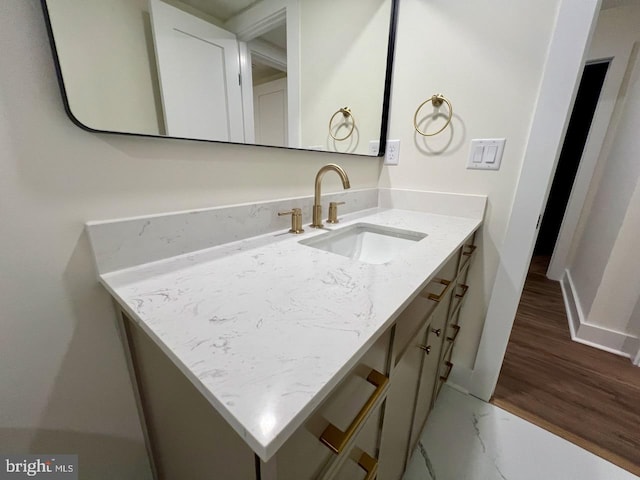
468, 439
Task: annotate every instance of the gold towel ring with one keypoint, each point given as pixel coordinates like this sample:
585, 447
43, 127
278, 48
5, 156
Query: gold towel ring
436, 100
346, 112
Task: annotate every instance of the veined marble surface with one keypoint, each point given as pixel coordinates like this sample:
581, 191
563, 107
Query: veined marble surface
128, 242
441, 203
468, 439
266, 327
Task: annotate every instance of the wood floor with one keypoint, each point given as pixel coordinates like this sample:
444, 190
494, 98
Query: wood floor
588, 396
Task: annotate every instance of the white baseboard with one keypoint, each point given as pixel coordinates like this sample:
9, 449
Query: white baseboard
632, 346
596, 336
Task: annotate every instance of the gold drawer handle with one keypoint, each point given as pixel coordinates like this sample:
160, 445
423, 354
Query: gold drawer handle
455, 335
445, 377
437, 332
472, 248
465, 289
437, 298
336, 439
425, 348
369, 465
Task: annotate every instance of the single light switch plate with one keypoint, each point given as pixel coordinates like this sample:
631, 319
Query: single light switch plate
392, 152
374, 147
486, 154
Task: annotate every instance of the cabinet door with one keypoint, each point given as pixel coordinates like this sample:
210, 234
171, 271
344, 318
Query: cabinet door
398, 413
188, 439
430, 363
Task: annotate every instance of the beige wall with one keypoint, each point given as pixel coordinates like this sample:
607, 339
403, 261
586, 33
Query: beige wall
343, 64
64, 381
487, 58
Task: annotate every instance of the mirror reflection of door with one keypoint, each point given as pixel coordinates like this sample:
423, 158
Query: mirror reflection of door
269, 81
199, 76
270, 112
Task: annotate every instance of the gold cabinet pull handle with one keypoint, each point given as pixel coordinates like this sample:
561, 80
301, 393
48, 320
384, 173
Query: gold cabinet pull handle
437, 298
437, 332
336, 439
460, 296
472, 248
369, 465
456, 328
425, 348
465, 289
445, 377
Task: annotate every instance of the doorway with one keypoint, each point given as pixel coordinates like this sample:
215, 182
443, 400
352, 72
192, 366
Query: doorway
547, 378
572, 149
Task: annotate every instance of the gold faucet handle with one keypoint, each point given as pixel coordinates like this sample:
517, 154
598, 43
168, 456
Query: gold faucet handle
333, 212
296, 219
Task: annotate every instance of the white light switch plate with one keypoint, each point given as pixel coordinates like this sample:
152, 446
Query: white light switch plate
486, 154
374, 147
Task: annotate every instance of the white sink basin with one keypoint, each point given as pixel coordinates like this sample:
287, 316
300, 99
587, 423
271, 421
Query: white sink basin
366, 242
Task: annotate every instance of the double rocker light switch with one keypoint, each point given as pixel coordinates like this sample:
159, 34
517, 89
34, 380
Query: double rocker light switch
486, 154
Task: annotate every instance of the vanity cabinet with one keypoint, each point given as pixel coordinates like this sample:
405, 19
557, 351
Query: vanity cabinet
366, 427
186, 438
414, 377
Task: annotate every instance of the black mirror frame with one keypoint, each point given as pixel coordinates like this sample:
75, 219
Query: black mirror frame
386, 102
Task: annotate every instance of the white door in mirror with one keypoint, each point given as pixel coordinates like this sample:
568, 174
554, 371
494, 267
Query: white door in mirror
199, 76
270, 113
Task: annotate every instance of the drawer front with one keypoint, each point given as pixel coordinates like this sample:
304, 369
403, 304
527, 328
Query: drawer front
433, 297
411, 321
450, 269
460, 293
360, 463
444, 370
312, 448
468, 252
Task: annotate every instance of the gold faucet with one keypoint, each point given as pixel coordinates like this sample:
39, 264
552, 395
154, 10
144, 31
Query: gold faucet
317, 206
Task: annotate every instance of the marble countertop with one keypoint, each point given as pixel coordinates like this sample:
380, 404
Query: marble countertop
266, 327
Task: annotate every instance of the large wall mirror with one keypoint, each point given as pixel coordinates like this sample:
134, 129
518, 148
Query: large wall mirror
305, 74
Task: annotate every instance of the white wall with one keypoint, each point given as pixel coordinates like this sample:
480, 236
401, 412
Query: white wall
615, 35
603, 266
343, 64
612, 39
64, 382
111, 80
487, 58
